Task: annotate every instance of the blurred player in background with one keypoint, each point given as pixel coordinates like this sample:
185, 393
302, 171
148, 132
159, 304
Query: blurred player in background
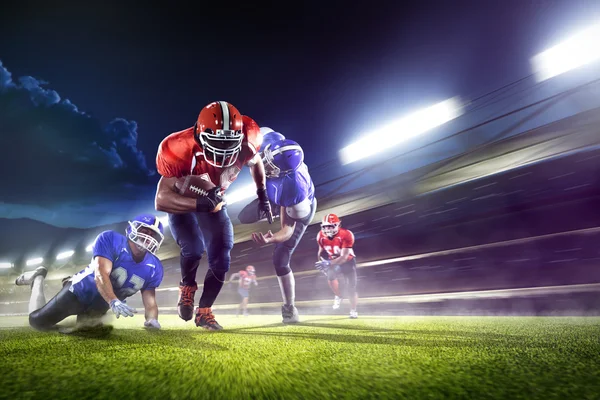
121, 266
336, 256
290, 187
245, 279
217, 147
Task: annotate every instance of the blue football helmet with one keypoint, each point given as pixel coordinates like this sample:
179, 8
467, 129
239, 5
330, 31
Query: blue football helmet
270, 138
146, 231
282, 157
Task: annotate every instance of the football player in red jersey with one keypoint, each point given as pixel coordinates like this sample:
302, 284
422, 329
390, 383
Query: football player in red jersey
217, 147
245, 279
337, 256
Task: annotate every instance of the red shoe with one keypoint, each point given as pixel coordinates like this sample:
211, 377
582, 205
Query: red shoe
185, 304
206, 319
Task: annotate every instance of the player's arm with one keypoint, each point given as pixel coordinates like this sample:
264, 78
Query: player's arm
234, 276
168, 200
346, 251
102, 271
150, 306
288, 225
344, 256
257, 170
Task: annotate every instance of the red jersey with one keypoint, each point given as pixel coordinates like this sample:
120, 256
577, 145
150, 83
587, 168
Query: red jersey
246, 279
179, 155
343, 240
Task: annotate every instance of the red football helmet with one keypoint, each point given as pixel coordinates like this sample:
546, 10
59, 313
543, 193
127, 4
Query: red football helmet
330, 225
250, 269
219, 132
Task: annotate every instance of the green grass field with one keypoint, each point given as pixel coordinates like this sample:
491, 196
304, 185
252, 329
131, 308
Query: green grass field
324, 357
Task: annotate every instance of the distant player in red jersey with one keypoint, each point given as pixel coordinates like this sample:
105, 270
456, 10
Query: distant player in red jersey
337, 256
216, 148
245, 279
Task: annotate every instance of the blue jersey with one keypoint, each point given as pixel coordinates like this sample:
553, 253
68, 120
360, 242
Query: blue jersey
127, 276
295, 192
291, 189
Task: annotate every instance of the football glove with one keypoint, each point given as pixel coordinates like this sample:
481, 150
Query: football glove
209, 202
152, 324
264, 206
323, 266
120, 308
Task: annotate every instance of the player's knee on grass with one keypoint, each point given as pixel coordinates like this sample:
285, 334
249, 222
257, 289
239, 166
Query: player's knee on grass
38, 322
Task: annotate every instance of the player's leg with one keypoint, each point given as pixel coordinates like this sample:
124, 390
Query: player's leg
218, 231
188, 236
245, 306
35, 279
244, 302
64, 304
349, 271
334, 285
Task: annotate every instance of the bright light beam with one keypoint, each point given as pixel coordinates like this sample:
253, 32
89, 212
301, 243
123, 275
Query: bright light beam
65, 254
89, 247
5, 265
400, 131
164, 220
34, 261
243, 193
578, 50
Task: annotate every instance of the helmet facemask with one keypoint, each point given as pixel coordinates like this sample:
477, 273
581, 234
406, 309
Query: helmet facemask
221, 148
329, 229
143, 240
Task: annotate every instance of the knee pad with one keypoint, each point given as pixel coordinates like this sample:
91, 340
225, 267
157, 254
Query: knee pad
282, 270
36, 322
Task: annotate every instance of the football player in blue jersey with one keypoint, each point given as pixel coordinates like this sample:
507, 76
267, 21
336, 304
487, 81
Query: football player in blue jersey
120, 267
290, 187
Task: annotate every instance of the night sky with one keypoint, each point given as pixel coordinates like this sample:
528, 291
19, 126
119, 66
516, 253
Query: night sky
321, 73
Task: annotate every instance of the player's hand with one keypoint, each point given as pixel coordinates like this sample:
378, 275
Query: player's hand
261, 238
152, 324
264, 206
120, 308
322, 265
212, 202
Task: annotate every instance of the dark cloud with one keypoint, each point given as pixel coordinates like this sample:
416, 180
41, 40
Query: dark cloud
54, 154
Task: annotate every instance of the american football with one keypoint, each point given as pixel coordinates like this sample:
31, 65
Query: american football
193, 186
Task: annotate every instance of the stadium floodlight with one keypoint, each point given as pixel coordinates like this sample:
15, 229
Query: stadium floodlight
578, 50
89, 247
5, 265
243, 193
65, 254
401, 130
34, 261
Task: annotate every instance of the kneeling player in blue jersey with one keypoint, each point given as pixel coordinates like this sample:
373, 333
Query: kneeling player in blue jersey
121, 266
290, 187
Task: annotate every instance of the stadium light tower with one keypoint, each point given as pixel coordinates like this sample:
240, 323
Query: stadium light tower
401, 130
580, 49
5, 265
64, 255
34, 261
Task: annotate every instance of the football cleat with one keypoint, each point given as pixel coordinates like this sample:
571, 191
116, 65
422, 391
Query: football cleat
353, 314
185, 304
205, 319
27, 278
336, 302
289, 314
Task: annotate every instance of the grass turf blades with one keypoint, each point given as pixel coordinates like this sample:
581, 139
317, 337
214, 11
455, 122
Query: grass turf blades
323, 357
